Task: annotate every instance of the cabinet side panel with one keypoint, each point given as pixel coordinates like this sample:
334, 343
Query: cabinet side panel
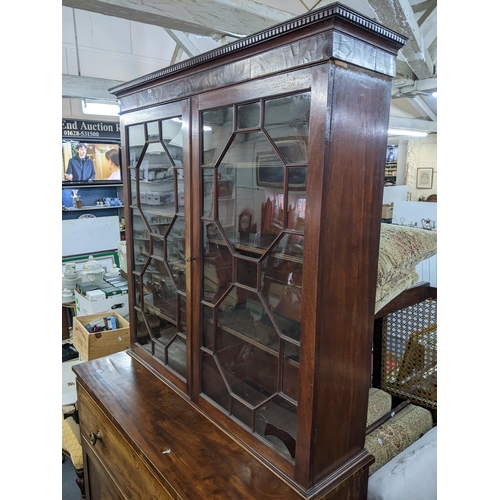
347, 257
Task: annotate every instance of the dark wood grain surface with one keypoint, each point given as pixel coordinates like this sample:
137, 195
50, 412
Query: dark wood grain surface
203, 461
345, 63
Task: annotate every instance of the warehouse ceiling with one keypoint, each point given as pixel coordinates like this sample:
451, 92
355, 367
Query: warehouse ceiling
178, 29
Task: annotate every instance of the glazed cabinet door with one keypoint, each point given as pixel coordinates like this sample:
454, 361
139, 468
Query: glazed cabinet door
157, 180
251, 169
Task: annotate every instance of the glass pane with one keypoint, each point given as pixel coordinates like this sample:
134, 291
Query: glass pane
159, 244
244, 314
287, 122
208, 192
160, 284
157, 224
208, 327
291, 371
249, 115
297, 177
177, 242
176, 353
153, 134
172, 139
158, 247
225, 181
212, 382
148, 327
217, 129
241, 214
170, 348
133, 186
138, 296
251, 373
156, 164
254, 211
157, 350
246, 273
164, 342
142, 241
137, 139
179, 173
181, 327
273, 219
217, 264
282, 288
276, 421
176, 252
241, 412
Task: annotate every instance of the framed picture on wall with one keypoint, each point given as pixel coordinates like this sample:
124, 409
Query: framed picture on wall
392, 154
424, 178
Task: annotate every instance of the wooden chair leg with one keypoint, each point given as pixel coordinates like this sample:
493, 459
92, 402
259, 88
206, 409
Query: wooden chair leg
80, 481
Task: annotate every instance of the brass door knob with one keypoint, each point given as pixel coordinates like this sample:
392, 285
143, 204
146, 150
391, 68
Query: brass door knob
95, 437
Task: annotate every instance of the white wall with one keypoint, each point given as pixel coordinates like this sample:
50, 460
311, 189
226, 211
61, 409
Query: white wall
421, 153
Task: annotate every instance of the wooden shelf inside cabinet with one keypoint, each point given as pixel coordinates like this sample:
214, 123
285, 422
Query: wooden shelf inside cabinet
258, 250
162, 210
271, 348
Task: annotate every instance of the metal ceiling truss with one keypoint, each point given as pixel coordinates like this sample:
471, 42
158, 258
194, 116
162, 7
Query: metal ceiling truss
225, 20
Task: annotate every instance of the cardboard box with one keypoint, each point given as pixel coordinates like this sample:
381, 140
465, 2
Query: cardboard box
91, 305
387, 211
95, 345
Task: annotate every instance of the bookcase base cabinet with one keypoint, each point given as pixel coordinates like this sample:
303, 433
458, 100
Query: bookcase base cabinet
252, 258
141, 439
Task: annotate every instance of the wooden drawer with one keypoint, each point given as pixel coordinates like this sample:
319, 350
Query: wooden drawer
132, 477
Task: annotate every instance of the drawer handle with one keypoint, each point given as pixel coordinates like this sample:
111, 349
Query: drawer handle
95, 437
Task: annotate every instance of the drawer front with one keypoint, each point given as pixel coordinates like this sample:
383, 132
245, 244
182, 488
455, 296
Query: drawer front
99, 486
130, 473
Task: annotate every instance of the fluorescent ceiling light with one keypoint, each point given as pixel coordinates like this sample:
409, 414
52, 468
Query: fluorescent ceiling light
98, 108
411, 133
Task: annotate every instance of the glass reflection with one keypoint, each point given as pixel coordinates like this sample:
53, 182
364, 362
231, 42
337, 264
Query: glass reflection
156, 164
208, 192
287, 122
136, 139
159, 246
153, 134
213, 384
277, 423
217, 264
172, 139
217, 129
179, 173
208, 327
249, 115
254, 201
177, 242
